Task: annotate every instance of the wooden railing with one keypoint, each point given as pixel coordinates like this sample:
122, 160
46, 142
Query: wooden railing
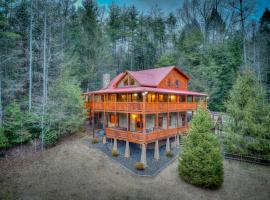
138, 106
144, 138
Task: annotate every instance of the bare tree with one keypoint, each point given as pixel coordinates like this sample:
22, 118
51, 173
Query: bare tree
30, 57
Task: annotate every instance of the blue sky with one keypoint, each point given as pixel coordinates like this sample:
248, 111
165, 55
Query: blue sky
168, 6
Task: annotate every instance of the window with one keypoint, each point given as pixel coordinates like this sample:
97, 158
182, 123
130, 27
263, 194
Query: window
197, 98
132, 82
172, 98
189, 98
112, 119
126, 82
169, 83
177, 83
182, 98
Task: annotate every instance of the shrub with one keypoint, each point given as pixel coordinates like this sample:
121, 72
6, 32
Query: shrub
115, 153
50, 139
139, 166
94, 140
201, 162
13, 125
32, 124
169, 154
3, 139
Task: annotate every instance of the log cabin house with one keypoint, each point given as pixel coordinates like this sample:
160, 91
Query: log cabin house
144, 107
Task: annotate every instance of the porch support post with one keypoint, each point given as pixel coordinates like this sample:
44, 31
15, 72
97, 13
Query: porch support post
114, 144
127, 122
177, 141
144, 115
127, 151
186, 121
156, 122
156, 154
168, 149
104, 139
143, 155
168, 115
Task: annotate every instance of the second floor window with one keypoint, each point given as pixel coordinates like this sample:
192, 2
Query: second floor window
177, 83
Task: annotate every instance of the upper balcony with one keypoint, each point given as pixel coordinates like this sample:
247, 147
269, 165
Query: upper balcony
148, 103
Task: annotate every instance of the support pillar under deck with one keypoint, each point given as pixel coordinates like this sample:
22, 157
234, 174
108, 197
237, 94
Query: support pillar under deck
114, 144
127, 150
156, 154
168, 148
143, 155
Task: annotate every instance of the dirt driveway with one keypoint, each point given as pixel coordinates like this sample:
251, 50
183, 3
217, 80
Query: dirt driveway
73, 171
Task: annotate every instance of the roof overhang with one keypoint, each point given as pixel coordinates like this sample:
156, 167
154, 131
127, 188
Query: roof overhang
144, 89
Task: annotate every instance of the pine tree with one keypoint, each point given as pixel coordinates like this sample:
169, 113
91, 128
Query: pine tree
247, 129
3, 139
14, 125
201, 161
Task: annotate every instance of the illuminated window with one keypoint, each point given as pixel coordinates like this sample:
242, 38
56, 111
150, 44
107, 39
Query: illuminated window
161, 97
112, 119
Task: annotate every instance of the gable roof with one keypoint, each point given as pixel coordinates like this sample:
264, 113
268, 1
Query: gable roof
149, 77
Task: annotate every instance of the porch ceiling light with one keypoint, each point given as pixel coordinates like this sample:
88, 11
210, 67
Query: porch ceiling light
144, 93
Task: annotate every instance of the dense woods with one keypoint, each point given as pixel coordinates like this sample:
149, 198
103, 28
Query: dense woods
51, 51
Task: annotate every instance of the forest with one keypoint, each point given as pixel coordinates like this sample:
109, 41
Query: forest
53, 50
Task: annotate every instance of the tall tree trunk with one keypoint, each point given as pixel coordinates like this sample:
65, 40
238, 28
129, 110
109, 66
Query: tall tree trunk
44, 79
243, 32
30, 57
1, 110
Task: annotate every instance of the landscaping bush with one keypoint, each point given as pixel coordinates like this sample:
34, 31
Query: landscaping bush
169, 154
94, 140
50, 139
201, 162
115, 153
139, 166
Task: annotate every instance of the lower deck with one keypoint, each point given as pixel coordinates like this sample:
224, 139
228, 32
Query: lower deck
142, 129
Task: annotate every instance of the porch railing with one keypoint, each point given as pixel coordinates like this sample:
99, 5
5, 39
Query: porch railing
138, 106
141, 138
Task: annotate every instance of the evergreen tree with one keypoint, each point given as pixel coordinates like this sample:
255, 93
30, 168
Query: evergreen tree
201, 161
14, 125
3, 139
65, 108
247, 129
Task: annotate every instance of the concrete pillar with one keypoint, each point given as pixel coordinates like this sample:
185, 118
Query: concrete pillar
156, 154
127, 151
104, 140
168, 145
143, 155
114, 144
177, 141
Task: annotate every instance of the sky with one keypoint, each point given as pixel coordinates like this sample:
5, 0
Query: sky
168, 6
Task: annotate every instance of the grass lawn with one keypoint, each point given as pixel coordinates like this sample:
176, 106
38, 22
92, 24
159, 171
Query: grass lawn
73, 171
